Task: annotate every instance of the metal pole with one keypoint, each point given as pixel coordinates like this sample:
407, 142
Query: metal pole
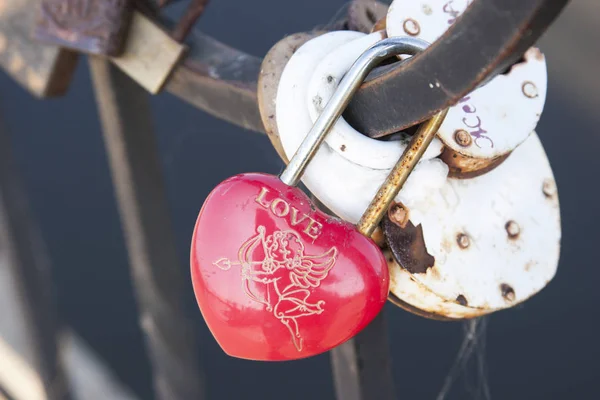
125, 116
35, 328
362, 367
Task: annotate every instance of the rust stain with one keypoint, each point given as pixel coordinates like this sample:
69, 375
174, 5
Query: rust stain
463, 240
434, 273
447, 244
380, 25
537, 54
530, 264
417, 311
465, 167
508, 293
549, 188
512, 229
378, 237
399, 214
407, 244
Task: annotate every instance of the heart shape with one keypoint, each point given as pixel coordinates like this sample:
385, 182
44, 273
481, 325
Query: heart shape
277, 279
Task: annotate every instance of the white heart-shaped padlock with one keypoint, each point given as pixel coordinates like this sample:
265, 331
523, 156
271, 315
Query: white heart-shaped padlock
481, 244
490, 122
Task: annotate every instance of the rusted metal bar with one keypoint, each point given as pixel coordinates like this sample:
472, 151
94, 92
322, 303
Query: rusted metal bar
362, 366
485, 40
35, 328
220, 80
124, 113
399, 174
191, 15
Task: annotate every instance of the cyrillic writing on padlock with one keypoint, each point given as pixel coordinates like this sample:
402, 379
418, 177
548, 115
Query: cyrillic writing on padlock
493, 120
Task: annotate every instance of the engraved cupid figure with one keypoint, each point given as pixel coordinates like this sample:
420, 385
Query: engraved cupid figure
276, 272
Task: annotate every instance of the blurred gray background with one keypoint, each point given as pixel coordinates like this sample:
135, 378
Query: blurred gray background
547, 348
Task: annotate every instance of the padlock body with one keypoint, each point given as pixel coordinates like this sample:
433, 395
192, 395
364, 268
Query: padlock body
90, 26
277, 279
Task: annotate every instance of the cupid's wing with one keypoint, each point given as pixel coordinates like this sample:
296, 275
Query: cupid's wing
313, 269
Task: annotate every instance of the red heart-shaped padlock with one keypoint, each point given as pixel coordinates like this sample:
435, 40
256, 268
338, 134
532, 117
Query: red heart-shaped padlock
277, 279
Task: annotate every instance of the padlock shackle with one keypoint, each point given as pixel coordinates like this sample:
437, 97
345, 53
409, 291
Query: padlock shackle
399, 174
341, 97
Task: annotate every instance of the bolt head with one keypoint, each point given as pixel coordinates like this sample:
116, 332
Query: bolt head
507, 292
513, 229
399, 215
529, 89
463, 240
411, 27
463, 138
549, 188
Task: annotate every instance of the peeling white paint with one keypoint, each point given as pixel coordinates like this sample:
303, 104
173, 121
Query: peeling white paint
499, 115
481, 208
349, 168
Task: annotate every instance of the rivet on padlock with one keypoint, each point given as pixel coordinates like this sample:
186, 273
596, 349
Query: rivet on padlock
277, 279
491, 241
486, 125
478, 245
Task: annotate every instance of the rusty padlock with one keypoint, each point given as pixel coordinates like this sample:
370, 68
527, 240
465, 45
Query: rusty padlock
89, 26
42, 69
494, 119
491, 238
